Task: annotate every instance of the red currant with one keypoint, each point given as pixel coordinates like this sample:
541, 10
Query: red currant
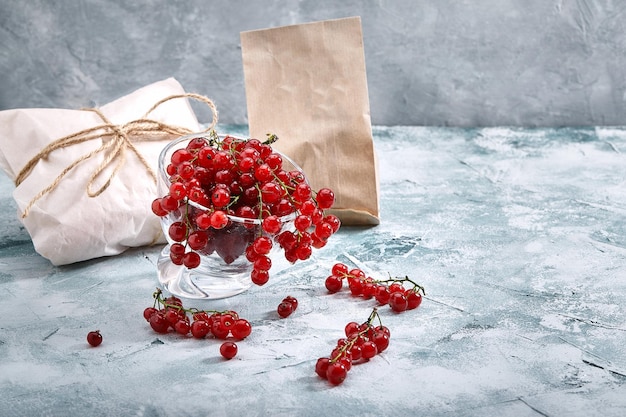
398, 302
333, 283
325, 198
199, 329
94, 338
285, 309
241, 329
336, 373
228, 350
321, 367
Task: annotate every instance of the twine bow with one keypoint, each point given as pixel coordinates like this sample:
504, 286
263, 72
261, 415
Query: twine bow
121, 138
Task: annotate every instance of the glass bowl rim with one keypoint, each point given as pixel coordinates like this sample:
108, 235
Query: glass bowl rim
244, 220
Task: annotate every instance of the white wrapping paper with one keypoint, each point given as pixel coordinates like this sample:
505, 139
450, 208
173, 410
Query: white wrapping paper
66, 224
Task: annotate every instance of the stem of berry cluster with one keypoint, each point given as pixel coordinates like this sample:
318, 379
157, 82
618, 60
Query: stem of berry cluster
348, 345
158, 299
416, 287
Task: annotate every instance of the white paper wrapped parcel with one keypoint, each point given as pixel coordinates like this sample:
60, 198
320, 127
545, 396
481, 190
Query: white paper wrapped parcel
66, 225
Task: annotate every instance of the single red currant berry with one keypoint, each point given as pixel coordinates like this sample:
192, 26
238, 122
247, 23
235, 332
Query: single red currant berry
351, 328
321, 367
302, 192
177, 249
157, 207
158, 323
355, 352
271, 224
304, 251
396, 287
181, 155
219, 330
339, 269
241, 329
285, 309
169, 203
191, 260
219, 219
263, 173
274, 160
271, 192
182, 327
199, 329
203, 220
148, 312
383, 329
177, 231
185, 170
220, 197
262, 245
356, 286
336, 373
357, 273
333, 283
302, 222
414, 299
228, 350
333, 221
369, 350
398, 302
325, 198
324, 230
94, 338
197, 240
263, 262
346, 360
382, 294
172, 316
381, 339
178, 190
259, 276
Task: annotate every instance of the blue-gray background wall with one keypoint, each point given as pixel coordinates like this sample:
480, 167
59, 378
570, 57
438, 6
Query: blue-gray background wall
429, 62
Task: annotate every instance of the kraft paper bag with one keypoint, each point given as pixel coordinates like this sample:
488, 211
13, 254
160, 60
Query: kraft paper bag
89, 194
307, 84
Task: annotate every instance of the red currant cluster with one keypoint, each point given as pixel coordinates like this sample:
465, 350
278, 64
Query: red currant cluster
287, 306
217, 183
169, 313
362, 342
389, 291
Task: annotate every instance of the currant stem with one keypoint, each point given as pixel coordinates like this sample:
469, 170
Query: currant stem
418, 288
158, 299
271, 138
348, 345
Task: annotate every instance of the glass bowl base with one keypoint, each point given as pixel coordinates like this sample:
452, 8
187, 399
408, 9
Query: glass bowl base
210, 280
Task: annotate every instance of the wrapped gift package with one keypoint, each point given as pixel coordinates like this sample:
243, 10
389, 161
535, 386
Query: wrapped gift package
85, 178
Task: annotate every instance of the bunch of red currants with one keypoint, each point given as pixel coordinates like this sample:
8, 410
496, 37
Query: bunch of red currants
389, 291
215, 180
362, 342
168, 314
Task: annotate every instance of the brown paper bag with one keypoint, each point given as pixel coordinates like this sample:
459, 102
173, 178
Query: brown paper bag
307, 84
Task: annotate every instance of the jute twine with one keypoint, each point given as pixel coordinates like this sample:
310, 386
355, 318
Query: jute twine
120, 139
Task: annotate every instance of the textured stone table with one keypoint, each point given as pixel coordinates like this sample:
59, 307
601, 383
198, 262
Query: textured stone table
518, 236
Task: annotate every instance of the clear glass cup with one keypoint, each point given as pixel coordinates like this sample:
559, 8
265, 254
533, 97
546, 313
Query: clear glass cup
224, 270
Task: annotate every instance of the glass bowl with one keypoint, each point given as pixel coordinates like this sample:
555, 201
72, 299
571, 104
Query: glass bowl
224, 269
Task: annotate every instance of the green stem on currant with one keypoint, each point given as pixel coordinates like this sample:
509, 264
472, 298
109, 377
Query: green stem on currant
271, 138
416, 287
158, 299
350, 343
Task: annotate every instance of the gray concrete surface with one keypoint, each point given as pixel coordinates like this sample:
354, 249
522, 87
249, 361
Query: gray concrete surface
429, 62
